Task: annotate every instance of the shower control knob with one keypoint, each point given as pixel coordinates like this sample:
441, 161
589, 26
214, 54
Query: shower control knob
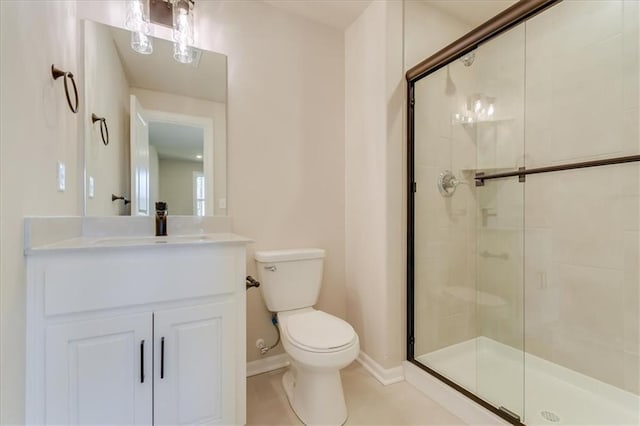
447, 183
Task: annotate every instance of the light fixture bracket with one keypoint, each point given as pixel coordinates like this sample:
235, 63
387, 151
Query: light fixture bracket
161, 11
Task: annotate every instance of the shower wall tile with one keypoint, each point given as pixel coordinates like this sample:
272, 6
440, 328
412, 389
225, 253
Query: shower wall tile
433, 151
581, 232
455, 329
429, 203
632, 373
631, 54
630, 207
630, 131
463, 147
582, 82
589, 357
499, 284
591, 300
587, 209
631, 307
500, 205
542, 304
431, 242
539, 197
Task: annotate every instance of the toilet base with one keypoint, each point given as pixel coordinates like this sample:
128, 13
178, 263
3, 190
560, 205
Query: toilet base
315, 396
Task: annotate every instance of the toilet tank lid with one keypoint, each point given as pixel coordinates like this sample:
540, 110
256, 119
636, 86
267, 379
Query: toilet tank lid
288, 255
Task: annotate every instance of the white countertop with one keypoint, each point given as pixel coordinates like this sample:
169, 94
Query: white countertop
93, 243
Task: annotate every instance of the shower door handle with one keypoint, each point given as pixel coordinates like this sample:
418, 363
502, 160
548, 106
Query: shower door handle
162, 358
142, 361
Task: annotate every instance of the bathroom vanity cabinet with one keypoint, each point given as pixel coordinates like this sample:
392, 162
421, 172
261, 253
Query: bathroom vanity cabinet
149, 333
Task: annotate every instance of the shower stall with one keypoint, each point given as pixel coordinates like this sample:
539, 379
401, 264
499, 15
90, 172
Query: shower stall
524, 213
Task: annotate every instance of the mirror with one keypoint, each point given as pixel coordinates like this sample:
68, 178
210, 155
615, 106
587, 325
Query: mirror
163, 137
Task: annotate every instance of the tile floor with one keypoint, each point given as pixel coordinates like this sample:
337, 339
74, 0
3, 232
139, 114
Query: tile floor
368, 402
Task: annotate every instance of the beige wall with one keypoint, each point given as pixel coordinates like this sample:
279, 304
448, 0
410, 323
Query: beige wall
373, 169
286, 150
37, 130
106, 93
176, 185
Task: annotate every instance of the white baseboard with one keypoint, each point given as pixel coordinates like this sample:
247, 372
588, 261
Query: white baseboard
386, 376
266, 364
463, 407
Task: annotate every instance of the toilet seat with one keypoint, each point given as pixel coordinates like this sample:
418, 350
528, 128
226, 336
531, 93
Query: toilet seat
317, 331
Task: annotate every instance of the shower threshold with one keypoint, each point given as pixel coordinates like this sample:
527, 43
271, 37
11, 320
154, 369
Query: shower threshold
552, 394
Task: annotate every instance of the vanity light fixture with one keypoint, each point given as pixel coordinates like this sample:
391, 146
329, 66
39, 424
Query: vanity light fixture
138, 22
176, 14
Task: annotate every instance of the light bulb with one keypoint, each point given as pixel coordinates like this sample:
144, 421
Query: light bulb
138, 16
182, 22
141, 43
182, 53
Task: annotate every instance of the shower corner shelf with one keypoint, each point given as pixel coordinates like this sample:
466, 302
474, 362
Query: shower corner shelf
462, 120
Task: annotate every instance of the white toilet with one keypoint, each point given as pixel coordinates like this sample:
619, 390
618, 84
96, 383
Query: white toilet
319, 344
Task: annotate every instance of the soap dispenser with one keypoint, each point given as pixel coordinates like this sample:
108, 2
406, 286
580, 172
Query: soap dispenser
161, 219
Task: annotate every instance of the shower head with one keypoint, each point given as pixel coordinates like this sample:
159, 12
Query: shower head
468, 59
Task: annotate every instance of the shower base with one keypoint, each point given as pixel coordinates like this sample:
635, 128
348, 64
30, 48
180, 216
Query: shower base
553, 395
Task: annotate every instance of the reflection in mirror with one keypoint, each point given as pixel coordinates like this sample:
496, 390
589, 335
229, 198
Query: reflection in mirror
167, 123
175, 166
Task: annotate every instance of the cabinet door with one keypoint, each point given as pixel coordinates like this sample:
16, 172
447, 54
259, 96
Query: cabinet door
100, 372
194, 365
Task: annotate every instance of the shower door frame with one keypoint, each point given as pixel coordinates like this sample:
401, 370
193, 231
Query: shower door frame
500, 23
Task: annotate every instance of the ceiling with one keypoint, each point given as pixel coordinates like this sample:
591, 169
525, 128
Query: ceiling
335, 13
176, 141
341, 13
160, 72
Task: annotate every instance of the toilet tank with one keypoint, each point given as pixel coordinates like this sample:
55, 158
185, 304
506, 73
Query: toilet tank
290, 279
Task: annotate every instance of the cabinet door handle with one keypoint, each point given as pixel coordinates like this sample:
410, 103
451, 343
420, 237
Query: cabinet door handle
142, 361
162, 358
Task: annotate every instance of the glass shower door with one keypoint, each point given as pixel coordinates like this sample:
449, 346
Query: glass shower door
500, 224
468, 240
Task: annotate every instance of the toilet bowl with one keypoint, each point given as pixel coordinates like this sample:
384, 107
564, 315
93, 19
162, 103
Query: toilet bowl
318, 344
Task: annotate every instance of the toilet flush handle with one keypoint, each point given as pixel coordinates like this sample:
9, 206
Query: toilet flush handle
271, 268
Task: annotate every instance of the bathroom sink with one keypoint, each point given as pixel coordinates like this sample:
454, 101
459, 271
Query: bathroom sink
80, 243
127, 241
222, 237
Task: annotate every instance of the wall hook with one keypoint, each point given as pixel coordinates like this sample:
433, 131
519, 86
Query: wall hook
56, 74
104, 130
